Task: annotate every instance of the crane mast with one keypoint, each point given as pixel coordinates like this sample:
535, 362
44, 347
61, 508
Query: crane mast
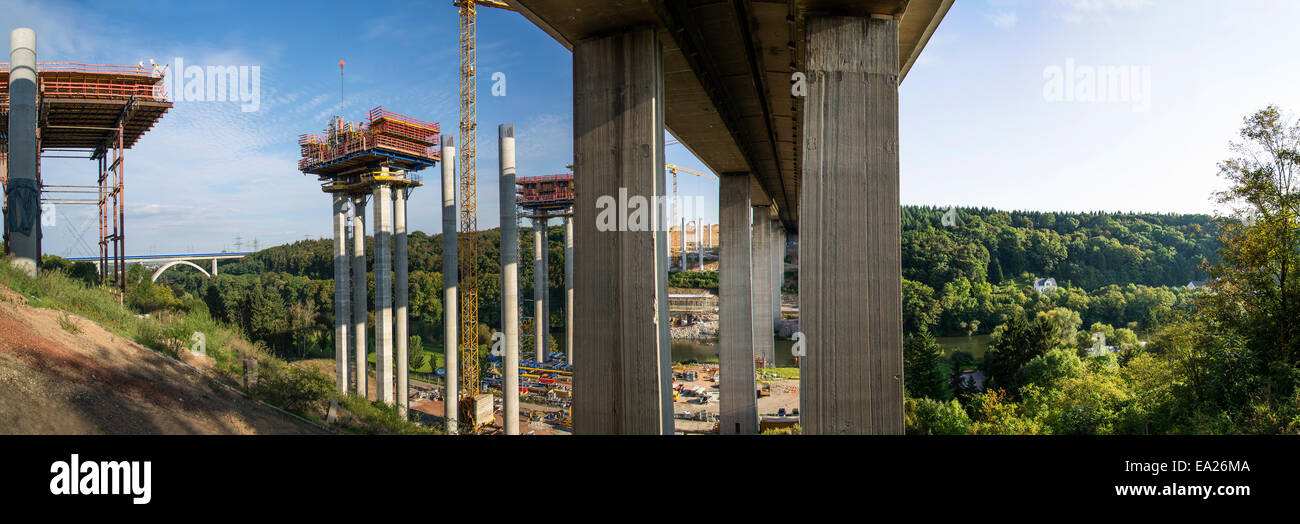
467, 240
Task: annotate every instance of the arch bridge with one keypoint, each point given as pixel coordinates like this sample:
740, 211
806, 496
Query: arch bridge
170, 261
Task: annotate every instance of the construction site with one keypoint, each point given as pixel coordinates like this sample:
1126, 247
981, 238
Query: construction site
715, 75
90, 111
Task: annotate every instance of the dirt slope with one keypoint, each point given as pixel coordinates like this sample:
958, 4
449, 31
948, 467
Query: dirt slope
96, 382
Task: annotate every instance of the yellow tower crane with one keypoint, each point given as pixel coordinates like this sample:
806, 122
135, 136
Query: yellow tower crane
467, 239
675, 168
677, 203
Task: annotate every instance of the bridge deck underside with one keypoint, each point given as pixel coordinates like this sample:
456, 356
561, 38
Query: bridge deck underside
728, 67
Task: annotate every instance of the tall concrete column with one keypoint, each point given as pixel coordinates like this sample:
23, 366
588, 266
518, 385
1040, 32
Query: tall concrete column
400, 300
761, 283
778, 268
509, 278
450, 311
541, 313
568, 287
682, 236
359, 292
620, 281
383, 249
214, 261
850, 292
342, 304
699, 240
738, 409
23, 192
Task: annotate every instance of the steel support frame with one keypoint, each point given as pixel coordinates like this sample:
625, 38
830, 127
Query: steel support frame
112, 203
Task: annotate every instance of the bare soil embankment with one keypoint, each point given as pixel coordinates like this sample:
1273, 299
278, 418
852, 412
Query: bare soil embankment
88, 380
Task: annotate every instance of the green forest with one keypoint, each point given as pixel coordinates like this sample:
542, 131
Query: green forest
961, 280
1218, 357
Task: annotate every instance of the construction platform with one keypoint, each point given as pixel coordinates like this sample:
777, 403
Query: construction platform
100, 111
544, 193
81, 105
353, 156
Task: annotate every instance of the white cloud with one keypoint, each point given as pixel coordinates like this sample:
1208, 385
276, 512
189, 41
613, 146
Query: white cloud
1004, 20
1080, 11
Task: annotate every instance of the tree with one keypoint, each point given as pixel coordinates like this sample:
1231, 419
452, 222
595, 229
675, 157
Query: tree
417, 357
927, 416
922, 377
995, 271
1261, 247
1064, 324
302, 317
995, 414
1014, 345
920, 309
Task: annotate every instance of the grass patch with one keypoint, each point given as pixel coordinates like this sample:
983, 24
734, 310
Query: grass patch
68, 324
793, 430
766, 374
435, 361
380, 418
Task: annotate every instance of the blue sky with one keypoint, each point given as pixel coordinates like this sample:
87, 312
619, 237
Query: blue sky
976, 128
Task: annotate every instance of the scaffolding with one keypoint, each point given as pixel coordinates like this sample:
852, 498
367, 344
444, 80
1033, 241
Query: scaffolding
542, 194
94, 112
541, 198
385, 138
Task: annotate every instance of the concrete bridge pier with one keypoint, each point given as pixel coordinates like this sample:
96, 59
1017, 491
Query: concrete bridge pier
682, 235
620, 282
23, 190
778, 269
342, 305
541, 311
738, 409
401, 300
849, 261
509, 279
359, 292
568, 287
761, 283
383, 293
699, 240
450, 277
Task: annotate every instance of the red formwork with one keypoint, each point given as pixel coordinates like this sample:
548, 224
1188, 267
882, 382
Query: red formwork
388, 123
93, 81
544, 192
384, 130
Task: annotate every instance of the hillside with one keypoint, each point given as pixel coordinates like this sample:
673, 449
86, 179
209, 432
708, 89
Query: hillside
88, 380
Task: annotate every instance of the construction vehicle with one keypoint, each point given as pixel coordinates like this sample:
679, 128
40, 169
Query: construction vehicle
765, 390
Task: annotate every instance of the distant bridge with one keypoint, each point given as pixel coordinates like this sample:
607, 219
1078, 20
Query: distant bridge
169, 261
